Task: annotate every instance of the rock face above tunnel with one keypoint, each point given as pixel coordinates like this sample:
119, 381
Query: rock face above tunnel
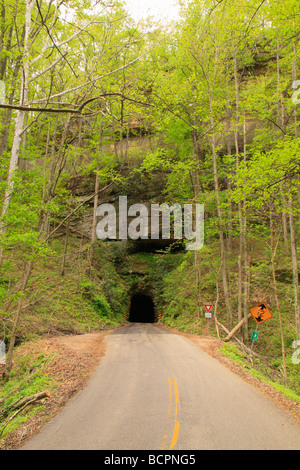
145, 191
142, 308
140, 187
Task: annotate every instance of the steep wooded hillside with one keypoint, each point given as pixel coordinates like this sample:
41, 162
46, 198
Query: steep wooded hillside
204, 111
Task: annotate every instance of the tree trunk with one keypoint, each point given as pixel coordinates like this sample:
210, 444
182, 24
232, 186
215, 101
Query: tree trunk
294, 77
245, 247
295, 266
195, 175
237, 157
273, 254
96, 198
9, 355
63, 267
8, 116
219, 216
13, 164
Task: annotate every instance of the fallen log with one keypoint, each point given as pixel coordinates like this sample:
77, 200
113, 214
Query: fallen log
236, 328
31, 398
22, 404
243, 346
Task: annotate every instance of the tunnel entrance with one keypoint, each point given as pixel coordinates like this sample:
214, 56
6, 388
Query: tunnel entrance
142, 308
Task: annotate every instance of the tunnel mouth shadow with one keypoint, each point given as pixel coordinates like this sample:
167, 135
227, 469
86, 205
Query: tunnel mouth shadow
142, 308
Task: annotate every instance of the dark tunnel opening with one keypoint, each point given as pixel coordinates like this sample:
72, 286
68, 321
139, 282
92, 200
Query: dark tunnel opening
142, 308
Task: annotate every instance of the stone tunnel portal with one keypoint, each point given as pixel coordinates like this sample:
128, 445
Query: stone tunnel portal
142, 308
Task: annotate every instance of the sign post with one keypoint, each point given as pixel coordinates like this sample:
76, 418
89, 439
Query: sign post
260, 313
208, 314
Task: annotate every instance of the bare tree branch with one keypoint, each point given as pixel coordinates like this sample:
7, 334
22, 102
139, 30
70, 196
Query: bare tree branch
42, 110
64, 56
96, 79
73, 110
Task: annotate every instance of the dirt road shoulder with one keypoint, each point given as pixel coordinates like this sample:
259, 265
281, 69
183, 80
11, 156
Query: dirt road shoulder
73, 363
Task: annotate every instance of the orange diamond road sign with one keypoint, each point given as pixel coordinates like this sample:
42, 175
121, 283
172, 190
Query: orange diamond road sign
260, 313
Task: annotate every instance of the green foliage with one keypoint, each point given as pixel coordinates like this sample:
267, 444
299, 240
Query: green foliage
97, 299
233, 352
200, 112
266, 176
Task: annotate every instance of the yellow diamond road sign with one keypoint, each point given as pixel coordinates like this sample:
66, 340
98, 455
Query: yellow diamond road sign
260, 313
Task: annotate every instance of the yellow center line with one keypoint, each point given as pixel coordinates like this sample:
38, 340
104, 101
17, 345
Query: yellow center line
175, 435
176, 425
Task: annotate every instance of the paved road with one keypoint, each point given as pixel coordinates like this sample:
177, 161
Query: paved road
157, 390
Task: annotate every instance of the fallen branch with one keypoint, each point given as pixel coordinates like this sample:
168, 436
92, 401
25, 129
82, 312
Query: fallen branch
222, 327
20, 405
236, 328
31, 398
236, 339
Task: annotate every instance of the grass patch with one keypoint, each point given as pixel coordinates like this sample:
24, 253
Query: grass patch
235, 354
27, 378
84, 299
